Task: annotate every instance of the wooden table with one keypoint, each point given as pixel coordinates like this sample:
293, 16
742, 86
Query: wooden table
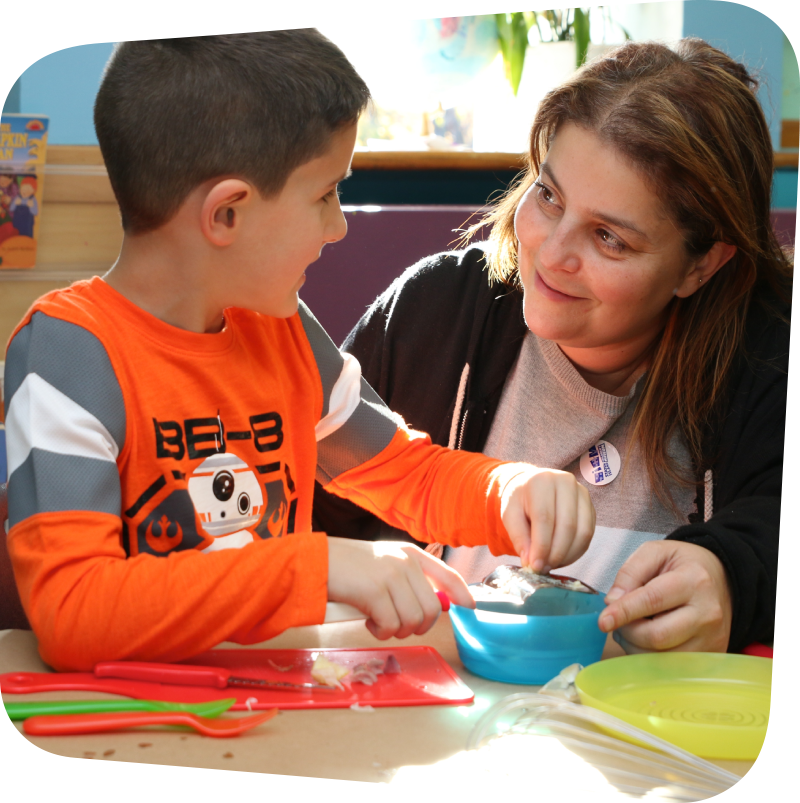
324, 743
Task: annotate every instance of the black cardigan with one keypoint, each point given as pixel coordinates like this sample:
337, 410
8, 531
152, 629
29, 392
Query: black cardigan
442, 313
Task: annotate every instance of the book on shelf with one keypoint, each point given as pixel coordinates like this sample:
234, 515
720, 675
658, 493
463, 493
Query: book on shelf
23, 148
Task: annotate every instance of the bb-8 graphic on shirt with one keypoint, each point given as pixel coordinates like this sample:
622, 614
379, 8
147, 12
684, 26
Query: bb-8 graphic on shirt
228, 499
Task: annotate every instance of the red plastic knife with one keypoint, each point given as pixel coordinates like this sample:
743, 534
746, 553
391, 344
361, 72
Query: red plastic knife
190, 675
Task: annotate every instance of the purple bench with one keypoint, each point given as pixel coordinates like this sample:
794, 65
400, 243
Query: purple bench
381, 244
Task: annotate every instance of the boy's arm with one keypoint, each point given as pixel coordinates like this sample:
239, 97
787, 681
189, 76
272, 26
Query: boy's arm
86, 601
368, 455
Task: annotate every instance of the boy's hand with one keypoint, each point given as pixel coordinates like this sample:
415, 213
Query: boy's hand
392, 582
549, 517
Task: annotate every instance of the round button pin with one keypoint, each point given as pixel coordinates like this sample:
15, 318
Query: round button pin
601, 464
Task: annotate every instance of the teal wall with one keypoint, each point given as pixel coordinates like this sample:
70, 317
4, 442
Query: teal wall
790, 103
784, 189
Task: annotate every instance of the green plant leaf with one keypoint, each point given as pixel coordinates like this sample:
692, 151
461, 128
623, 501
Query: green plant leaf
503, 34
519, 46
512, 34
580, 32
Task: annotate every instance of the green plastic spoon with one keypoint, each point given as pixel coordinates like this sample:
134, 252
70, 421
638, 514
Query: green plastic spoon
18, 711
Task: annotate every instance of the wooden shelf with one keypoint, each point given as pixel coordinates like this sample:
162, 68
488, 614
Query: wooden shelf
84, 162
74, 155
88, 156
790, 133
436, 160
784, 159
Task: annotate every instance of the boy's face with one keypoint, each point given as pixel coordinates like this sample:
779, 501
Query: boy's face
285, 233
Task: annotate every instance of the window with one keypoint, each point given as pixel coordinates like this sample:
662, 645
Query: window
440, 84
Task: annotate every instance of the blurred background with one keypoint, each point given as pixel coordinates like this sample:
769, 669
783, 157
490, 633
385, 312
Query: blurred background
453, 102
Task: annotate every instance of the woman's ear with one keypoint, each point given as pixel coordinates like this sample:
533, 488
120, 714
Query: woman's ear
718, 255
221, 211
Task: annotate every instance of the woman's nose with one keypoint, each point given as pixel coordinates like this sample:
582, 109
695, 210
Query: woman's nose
559, 249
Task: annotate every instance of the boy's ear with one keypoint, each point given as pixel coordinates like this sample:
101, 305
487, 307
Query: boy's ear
221, 212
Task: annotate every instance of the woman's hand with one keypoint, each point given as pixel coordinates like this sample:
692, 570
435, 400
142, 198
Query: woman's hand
549, 517
671, 595
392, 582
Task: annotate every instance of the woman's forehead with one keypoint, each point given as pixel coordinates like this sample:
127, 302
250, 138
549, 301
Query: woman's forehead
594, 177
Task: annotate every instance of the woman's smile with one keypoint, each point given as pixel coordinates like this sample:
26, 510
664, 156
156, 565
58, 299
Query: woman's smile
548, 291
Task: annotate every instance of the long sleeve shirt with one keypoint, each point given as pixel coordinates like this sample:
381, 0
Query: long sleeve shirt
161, 481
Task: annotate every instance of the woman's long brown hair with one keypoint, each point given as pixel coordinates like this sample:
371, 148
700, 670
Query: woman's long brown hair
688, 120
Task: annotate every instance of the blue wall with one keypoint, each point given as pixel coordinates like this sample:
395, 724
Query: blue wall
12, 101
754, 39
63, 85
748, 36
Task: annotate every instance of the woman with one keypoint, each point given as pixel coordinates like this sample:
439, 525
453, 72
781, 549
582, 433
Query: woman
627, 321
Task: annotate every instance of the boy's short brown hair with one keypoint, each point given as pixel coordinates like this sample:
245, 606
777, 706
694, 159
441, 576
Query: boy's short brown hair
173, 113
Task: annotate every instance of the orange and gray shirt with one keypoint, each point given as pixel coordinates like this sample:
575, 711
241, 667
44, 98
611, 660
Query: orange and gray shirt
161, 481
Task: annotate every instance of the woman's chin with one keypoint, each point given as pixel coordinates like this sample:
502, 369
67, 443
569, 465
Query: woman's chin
559, 329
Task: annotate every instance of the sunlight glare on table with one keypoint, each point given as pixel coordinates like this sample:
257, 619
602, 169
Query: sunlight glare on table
517, 760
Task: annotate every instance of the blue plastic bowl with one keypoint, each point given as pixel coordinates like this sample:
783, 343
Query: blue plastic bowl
514, 648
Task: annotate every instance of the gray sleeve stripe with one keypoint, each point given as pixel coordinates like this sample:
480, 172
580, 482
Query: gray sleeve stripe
369, 428
329, 360
72, 360
368, 431
53, 483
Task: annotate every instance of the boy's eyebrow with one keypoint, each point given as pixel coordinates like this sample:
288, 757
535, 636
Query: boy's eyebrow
341, 178
614, 221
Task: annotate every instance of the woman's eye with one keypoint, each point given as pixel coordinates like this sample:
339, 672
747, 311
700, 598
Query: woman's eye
544, 194
610, 241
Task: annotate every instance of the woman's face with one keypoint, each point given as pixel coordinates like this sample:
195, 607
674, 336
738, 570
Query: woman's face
598, 256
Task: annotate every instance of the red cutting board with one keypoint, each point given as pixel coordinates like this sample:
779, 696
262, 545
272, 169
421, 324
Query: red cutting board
425, 678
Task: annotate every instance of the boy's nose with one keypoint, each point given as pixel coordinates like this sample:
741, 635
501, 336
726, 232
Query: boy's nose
337, 227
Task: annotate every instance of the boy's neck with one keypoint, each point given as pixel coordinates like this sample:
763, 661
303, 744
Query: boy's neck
169, 277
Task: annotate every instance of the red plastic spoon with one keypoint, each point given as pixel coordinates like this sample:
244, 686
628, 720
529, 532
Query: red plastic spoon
71, 724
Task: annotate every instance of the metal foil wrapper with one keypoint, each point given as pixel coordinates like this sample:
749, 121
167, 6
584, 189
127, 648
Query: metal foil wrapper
521, 582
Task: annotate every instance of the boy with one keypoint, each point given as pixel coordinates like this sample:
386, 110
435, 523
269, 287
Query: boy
165, 422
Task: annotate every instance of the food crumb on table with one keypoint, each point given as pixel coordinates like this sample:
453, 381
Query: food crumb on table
109, 753
227, 755
145, 744
327, 672
392, 666
89, 754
